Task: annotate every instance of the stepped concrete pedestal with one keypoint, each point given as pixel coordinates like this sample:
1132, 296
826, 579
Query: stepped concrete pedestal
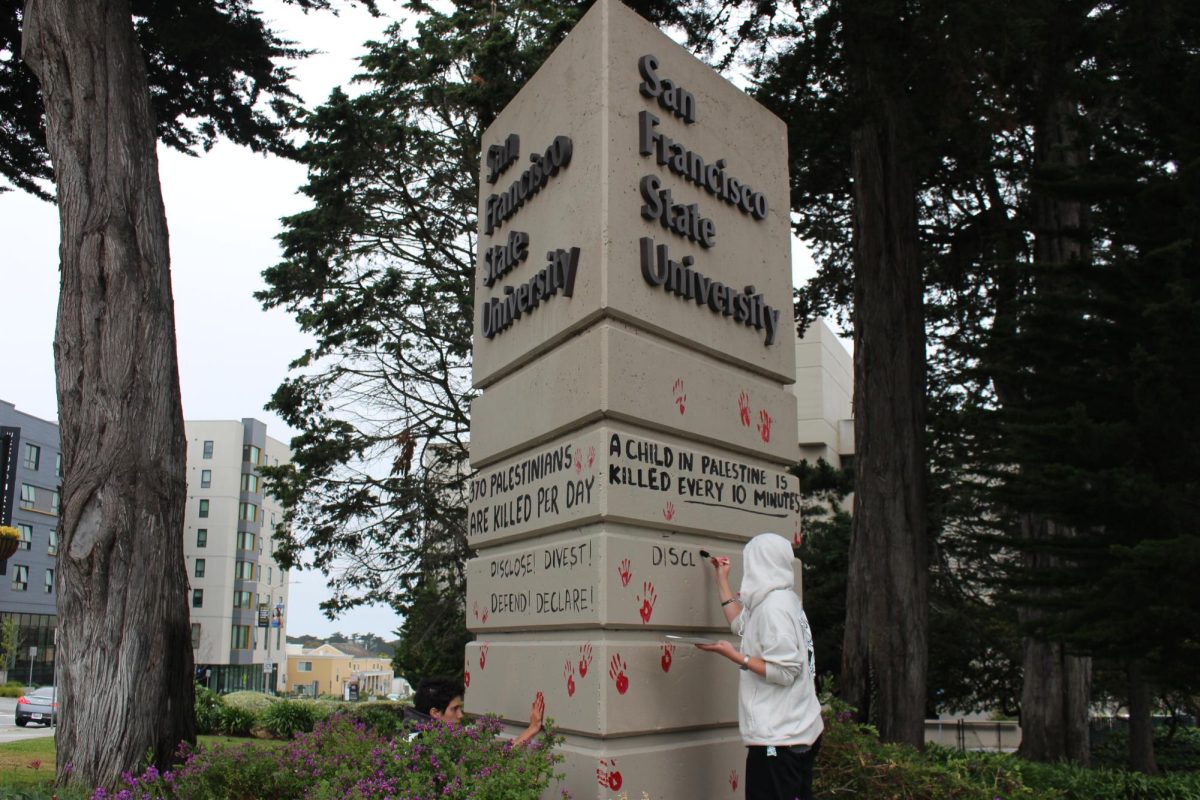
633, 346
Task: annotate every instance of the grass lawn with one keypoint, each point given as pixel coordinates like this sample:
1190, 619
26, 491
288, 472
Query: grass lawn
31, 762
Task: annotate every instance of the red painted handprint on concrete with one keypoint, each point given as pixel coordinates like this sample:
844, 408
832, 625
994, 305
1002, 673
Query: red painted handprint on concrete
578, 460
733, 780
623, 571
764, 425
669, 511
591, 456
585, 658
475, 608
484, 618
483, 648
647, 602
569, 674
744, 409
467, 678
668, 650
677, 393
616, 671
607, 775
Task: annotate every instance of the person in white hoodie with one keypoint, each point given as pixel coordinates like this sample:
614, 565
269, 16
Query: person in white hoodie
779, 714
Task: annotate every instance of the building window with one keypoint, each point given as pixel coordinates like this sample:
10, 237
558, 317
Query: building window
20, 578
199, 567
54, 502
208, 448
26, 536
195, 635
205, 478
204, 509
197, 598
242, 599
268, 576
244, 571
58, 465
28, 496
245, 540
33, 456
250, 482
49, 581
247, 512
52, 545
251, 454
304, 666
240, 640
202, 537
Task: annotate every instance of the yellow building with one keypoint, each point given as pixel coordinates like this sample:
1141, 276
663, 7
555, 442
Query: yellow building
331, 668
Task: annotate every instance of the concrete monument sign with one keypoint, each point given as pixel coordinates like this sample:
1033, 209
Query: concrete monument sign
633, 341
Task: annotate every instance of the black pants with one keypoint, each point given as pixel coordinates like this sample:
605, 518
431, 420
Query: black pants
787, 775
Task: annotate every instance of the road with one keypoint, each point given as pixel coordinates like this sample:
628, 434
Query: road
9, 732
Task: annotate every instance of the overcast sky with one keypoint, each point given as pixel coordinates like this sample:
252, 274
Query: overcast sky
223, 211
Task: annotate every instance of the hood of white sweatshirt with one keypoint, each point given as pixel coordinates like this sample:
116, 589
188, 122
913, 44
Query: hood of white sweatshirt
766, 567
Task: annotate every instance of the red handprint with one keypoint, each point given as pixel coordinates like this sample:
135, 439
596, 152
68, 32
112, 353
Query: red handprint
585, 658
744, 409
616, 671
483, 648
797, 534
668, 651
578, 460
591, 456
569, 674
467, 679
484, 618
623, 571
475, 608
669, 511
733, 780
680, 397
647, 602
607, 775
764, 425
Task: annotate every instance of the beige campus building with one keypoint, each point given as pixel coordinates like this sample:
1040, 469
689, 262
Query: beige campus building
238, 594
331, 668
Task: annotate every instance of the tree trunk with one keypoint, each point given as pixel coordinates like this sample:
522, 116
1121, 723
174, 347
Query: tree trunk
885, 649
1141, 726
124, 651
1057, 686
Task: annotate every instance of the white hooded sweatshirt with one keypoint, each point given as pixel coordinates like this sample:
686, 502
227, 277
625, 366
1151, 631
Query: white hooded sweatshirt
782, 708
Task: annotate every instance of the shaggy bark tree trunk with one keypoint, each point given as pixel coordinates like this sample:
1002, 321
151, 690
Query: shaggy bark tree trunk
124, 651
1141, 726
885, 649
1056, 688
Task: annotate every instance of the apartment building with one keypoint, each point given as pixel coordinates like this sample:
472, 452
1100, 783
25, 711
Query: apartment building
238, 593
824, 391
30, 473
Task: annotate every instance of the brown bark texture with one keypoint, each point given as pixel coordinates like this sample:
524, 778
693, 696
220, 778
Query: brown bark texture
1056, 688
124, 652
1056, 685
885, 649
1141, 725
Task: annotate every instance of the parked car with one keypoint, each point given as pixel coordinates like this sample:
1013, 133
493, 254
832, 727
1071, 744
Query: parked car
40, 706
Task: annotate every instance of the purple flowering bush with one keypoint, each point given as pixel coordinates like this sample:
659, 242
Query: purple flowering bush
344, 759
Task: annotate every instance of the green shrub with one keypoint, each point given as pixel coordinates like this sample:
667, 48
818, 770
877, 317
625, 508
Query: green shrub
1178, 753
236, 721
285, 719
208, 710
254, 702
12, 689
1070, 782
